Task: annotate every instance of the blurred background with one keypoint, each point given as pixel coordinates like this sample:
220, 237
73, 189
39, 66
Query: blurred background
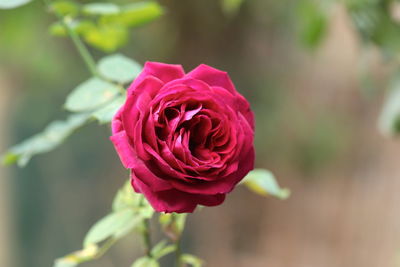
316, 113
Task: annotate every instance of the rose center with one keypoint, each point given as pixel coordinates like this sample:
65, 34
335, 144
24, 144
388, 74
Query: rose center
192, 125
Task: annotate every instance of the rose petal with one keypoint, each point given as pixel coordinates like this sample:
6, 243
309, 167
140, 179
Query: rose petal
124, 149
145, 175
162, 71
116, 124
176, 201
220, 186
212, 77
188, 139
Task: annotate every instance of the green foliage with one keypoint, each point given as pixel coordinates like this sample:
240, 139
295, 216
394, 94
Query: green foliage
79, 26
9, 4
119, 68
78, 257
65, 8
129, 211
231, 7
162, 249
264, 183
58, 29
173, 224
114, 225
313, 22
158, 251
97, 98
126, 198
145, 262
375, 24
90, 95
106, 37
103, 25
101, 9
52, 136
105, 114
389, 121
135, 14
191, 260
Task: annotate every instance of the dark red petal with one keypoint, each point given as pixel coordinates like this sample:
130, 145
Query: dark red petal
162, 71
142, 173
124, 149
222, 185
174, 200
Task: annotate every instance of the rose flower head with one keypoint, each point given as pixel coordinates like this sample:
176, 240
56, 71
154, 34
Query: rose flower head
186, 138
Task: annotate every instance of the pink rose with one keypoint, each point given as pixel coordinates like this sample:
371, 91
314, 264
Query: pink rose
187, 138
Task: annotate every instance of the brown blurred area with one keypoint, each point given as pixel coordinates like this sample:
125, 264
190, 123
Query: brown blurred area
316, 130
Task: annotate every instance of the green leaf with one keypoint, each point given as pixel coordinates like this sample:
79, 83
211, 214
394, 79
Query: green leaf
264, 183
52, 136
313, 22
162, 249
136, 14
57, 29
126, 198
145, 262
82, 26
119, 68
375, 24
145, 209
64, 263
75, 258
389, 120
192, 260
79, 26
8, 4
90, 95
105, 36
65, 8
129, 212
101, 9
116, 225
106, 113
231, 7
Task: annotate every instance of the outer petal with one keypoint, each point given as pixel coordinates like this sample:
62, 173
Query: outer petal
244, 108
124, 149
116, 124
162, 71
136, 107
174, 200
141, 172
212, 77
220, 186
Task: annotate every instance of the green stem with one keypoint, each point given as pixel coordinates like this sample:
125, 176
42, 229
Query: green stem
82, 49
146, 237
146, 231
177, 241
178, 253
